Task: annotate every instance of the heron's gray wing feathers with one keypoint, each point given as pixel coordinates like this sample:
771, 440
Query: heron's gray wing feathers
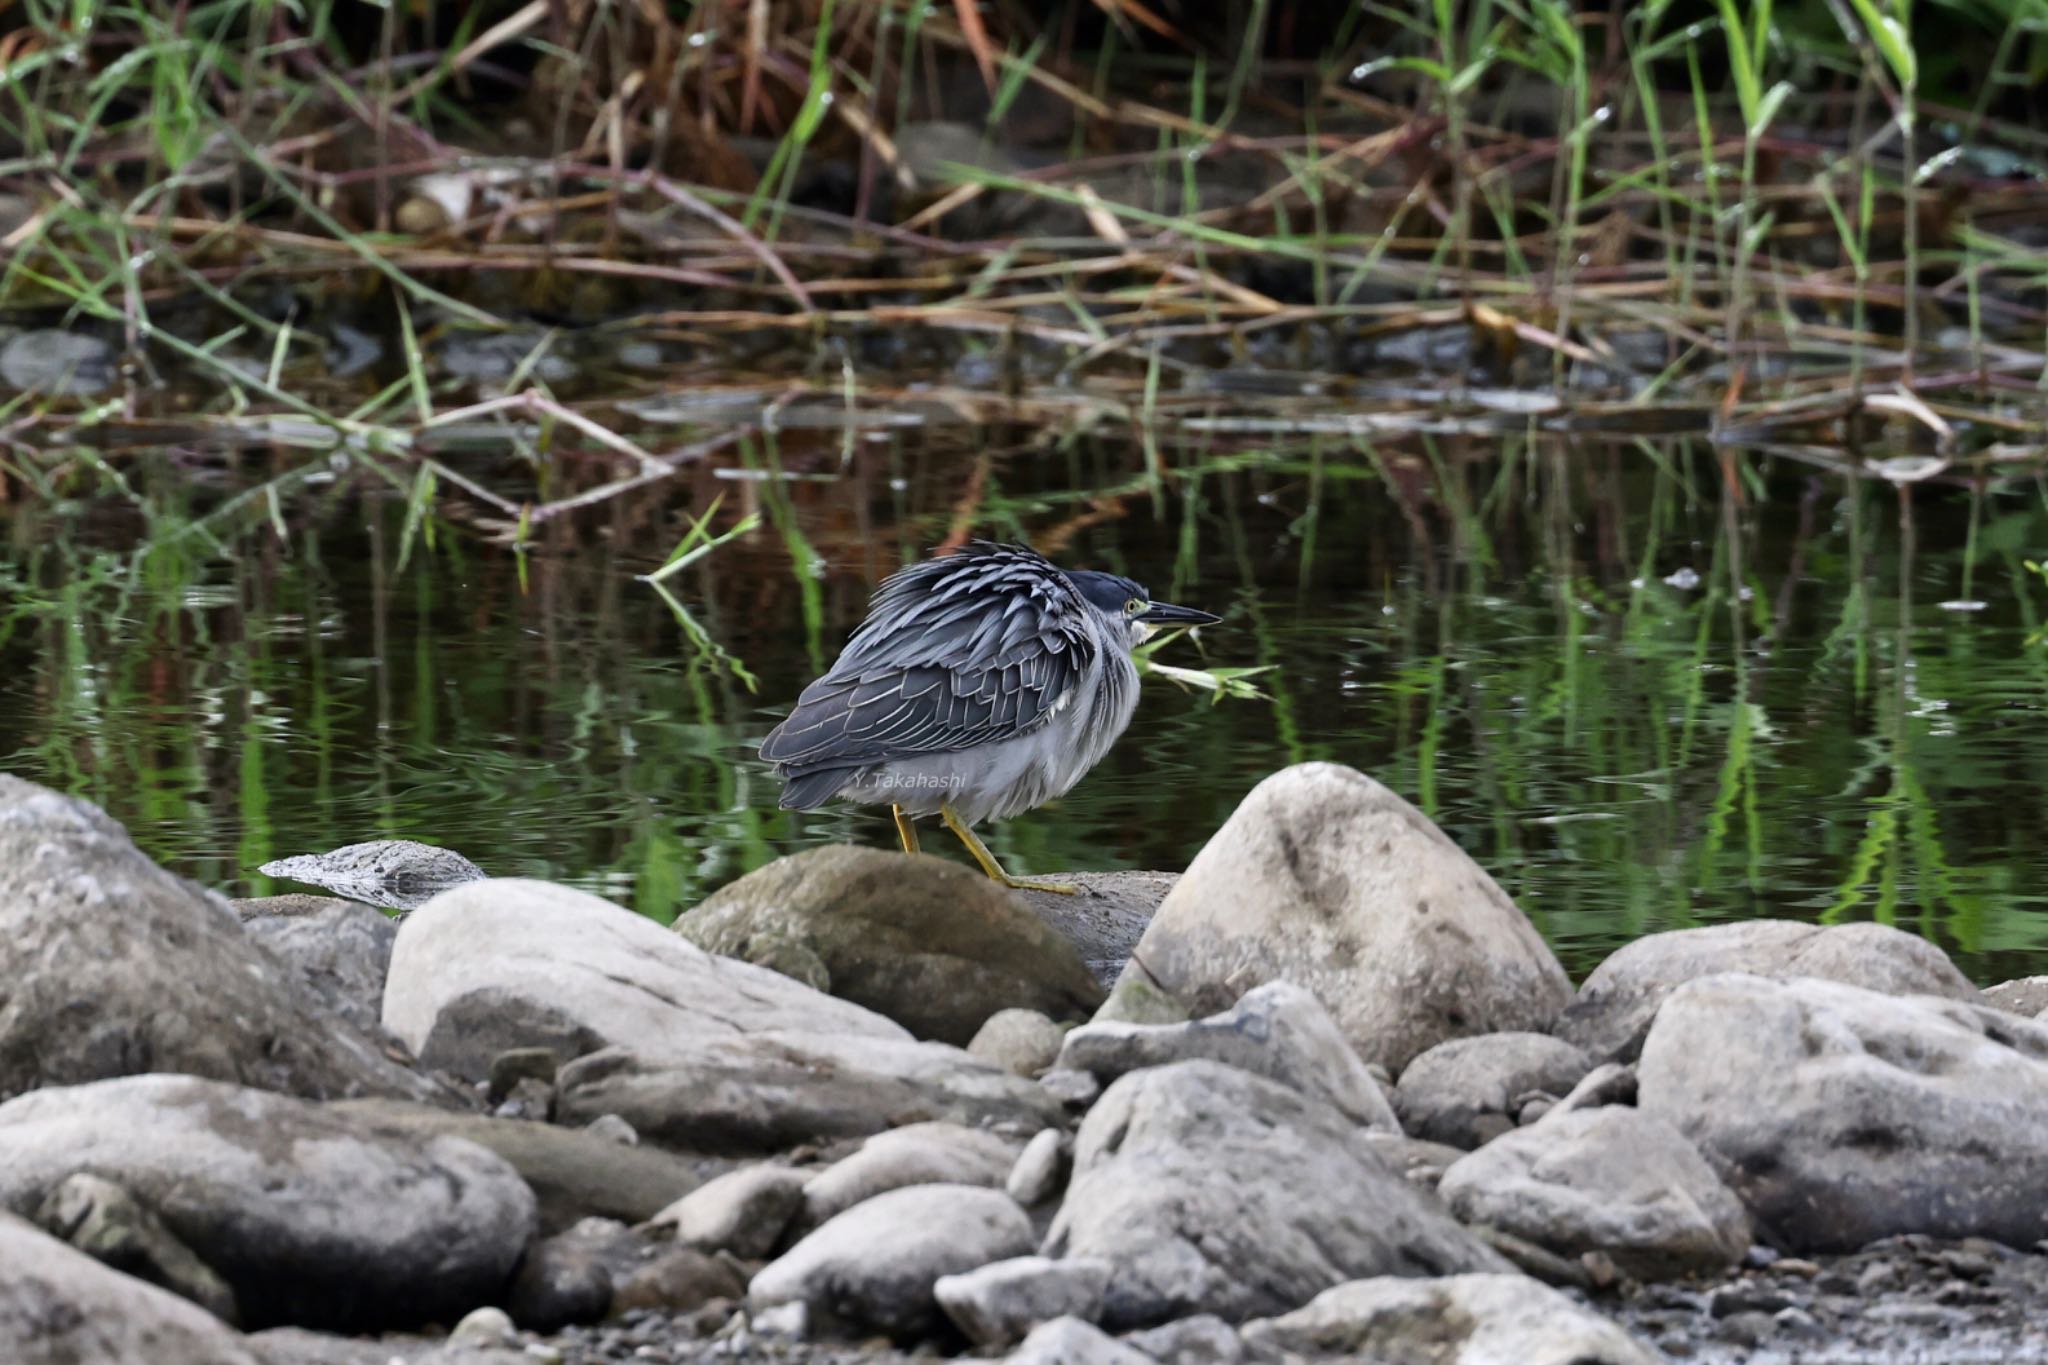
970, 649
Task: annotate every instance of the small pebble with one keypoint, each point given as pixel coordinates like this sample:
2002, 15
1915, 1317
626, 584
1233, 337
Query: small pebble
518, 1064
1968, 1265
612, 1128
530, 1099
783, 1320
1074, 1088
483, 1329
1911, 1313
1746, 1298
1964, 1293
1041, 1169
1747, 1329
1799, 1325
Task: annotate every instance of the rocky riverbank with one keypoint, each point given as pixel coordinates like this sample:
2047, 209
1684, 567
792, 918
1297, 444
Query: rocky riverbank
1333, 1099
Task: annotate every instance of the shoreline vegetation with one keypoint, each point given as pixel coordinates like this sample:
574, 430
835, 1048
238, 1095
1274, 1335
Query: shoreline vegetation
300, 224
1664, 312
467, 421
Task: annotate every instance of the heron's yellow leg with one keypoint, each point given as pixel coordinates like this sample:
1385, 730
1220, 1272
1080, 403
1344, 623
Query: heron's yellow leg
988, 860
906, 830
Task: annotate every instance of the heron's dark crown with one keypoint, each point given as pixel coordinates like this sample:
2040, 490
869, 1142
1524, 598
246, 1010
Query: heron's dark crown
1107, 591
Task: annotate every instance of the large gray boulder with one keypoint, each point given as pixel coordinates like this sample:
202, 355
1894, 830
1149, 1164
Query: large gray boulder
311, 1216
771, 1092
1613, 1180
341, 950
874, 1265
1468, 1091
113, 966
574, 1173
496, 965
931, 944
61, 1307
1279, 1031
1211, 1190
1840, 1115
1325, 878
1616, 1003
1457, 1320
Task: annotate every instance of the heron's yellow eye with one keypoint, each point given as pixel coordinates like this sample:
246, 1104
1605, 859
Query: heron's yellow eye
1137, 606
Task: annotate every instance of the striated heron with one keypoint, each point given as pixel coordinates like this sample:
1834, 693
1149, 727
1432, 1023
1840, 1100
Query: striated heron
981, 685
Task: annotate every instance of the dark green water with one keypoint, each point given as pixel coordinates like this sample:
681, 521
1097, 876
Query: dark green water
1485, 626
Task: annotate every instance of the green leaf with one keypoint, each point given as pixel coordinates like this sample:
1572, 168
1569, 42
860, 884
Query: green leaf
1767, 108
1741, 63
1891, 40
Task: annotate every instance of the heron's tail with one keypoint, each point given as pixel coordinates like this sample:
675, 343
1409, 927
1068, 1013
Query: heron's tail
808, 791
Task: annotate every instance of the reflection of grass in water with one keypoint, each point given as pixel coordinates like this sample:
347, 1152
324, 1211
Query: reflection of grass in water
804, 561
1594, 743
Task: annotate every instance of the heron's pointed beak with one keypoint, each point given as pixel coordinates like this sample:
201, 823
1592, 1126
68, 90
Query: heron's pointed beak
1167, 614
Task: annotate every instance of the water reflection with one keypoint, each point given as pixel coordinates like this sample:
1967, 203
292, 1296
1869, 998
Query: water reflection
1642, 703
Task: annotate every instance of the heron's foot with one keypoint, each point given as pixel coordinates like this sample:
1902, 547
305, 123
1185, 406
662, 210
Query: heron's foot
1026, 884
906, 829
991, 866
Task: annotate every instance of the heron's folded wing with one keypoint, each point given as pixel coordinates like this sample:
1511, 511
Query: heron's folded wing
924, 709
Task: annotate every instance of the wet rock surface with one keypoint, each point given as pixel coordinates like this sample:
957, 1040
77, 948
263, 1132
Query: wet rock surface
931, 944
1325, 878
1106, 917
